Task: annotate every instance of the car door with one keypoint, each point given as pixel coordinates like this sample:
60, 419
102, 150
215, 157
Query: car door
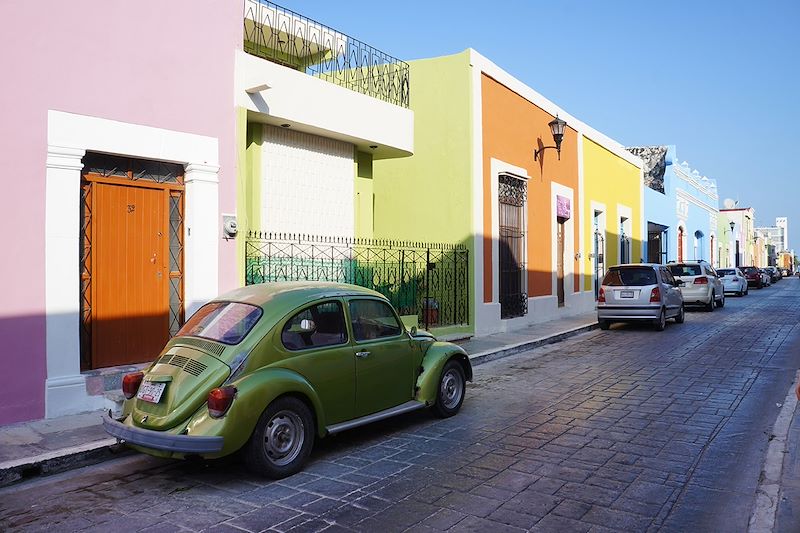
322, 354
673, 298
383, 356
719, 290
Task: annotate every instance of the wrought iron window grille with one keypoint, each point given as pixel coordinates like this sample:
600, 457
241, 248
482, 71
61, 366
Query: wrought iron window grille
282, 36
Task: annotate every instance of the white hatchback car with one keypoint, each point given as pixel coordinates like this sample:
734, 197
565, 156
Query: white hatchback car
702, 286
639, 292
733, 281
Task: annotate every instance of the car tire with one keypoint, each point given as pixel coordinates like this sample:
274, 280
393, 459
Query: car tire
721, 302
604, 324
451, 390
681, 316
746, 291
282, 439
661, 322
710, 304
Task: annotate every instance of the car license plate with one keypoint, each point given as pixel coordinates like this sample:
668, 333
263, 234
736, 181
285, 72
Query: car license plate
626, 294
151, 392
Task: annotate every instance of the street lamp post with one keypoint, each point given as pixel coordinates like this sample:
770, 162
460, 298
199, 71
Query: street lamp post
557, 129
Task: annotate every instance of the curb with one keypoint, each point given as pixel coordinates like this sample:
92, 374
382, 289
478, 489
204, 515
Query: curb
511, 349
60, 461
98, 451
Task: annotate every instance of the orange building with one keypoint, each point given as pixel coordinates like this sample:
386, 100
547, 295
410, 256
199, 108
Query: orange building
486, 173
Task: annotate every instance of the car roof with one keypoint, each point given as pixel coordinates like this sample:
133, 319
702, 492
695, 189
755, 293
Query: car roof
629, 265
293, 293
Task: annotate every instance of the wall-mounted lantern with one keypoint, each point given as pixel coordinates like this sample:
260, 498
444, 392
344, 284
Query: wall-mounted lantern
557, 129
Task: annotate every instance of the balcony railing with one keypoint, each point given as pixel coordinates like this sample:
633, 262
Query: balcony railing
282, 36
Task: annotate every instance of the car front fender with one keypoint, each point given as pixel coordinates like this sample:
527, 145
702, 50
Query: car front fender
254, 392
437, 355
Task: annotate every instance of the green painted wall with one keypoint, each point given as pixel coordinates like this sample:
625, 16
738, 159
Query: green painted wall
428, 197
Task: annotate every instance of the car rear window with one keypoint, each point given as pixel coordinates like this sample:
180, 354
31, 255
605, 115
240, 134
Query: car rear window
227, 322
685, 270
750, 270
725, 272
630, 276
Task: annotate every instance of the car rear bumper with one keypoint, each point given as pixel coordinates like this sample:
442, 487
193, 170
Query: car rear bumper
161, 440
692, 295
628, 312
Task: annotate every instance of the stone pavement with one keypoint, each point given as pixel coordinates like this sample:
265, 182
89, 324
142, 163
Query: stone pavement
620, 430
48, 446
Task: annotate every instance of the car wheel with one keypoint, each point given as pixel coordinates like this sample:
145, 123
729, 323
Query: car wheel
452, 386
681, 316
710, 304
746, 291
604, 324
661, 321
282, 439
721, 302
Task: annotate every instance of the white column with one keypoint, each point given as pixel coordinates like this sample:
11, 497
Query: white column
65, 389
201, 235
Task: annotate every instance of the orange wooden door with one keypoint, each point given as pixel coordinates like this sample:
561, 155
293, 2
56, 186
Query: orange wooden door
130, 307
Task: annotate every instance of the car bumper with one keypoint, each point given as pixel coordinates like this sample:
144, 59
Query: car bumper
732, 286
692, 295
161, 440
628, 312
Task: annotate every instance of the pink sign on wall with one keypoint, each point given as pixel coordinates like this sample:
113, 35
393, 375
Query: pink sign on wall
563, 207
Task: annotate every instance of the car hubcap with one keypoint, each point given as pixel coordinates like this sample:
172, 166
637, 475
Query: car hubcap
284, 438
451, 389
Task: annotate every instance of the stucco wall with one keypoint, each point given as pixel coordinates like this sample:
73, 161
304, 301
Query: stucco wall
615, 184
165, 65
512, 128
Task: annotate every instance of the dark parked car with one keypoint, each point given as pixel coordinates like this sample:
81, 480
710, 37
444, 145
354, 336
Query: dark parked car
753, 276
267, 369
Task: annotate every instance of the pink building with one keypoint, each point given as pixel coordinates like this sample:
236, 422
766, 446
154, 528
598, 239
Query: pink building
119, 161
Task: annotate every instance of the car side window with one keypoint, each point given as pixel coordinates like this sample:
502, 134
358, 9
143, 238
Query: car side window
666, 275
324, 327
373, 319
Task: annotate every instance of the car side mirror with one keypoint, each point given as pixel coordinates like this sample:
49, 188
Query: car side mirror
413, 330
307, 326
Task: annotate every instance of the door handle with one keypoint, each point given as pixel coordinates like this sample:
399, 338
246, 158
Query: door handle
362, 355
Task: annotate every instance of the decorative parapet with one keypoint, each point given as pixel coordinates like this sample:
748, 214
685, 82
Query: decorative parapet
282, 36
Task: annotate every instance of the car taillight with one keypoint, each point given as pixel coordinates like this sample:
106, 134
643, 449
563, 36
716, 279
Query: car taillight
130, 384
701, 281
220, 400
655, 295
601, 297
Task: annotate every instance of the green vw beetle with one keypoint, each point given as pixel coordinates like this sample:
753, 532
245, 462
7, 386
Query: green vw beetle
266, 368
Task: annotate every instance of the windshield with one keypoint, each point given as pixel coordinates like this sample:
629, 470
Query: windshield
227, 322
725, 272
630, 276
685, 270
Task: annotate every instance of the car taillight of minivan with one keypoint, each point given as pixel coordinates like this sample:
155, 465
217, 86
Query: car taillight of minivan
702, 280
220, 400
130, 384
601, 297
655, 295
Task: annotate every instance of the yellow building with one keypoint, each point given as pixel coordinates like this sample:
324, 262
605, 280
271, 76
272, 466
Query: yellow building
613, 206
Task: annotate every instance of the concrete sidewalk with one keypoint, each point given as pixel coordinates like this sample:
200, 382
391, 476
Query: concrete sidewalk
41, 447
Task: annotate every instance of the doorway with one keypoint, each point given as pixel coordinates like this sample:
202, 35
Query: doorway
512, 196
131, 260
560, 262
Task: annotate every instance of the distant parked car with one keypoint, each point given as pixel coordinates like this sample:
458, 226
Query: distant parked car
766, 279
774, 274
702, 285
267, 369
733, 280
754, 277
639, 292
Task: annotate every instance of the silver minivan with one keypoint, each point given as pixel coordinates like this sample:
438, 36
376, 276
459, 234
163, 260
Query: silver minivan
640, 291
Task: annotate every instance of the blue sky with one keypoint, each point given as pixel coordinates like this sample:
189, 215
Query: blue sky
719, 79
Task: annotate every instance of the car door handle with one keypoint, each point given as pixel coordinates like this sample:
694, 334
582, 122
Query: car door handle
362, 355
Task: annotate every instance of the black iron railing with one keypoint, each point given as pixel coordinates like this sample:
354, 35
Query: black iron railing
275, 33
428, 280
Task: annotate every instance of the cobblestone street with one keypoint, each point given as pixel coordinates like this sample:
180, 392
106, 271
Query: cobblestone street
622, 430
